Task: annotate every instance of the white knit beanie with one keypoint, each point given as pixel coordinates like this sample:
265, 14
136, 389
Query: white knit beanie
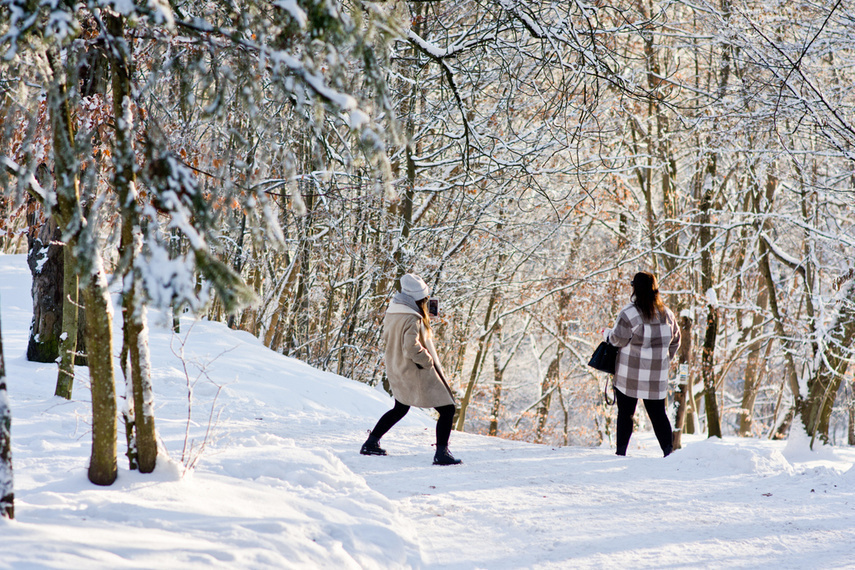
414, 286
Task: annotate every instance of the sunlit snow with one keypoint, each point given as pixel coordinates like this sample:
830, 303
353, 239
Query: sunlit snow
281, 484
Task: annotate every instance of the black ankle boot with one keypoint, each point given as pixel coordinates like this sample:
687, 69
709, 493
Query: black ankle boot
372, 447
444, 457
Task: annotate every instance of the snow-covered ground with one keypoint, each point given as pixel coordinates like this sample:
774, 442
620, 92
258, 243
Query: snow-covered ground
281, 484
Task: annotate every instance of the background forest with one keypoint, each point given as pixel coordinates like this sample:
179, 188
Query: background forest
278, 165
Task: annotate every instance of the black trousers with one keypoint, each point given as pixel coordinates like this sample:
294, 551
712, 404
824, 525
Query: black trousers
393, 416
655, 411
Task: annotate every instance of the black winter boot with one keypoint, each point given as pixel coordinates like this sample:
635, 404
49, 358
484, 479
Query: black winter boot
372, 447
444, 457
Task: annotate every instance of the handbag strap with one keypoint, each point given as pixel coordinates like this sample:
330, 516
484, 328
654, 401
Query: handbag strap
606, 394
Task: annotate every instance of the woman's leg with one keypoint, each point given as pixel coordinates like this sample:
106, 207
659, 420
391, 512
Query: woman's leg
443, 430
625, 412
661, 424
389, 419
443, 424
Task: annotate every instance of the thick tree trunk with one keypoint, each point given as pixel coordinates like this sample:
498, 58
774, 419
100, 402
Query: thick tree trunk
7, 493
45, 261
99, 332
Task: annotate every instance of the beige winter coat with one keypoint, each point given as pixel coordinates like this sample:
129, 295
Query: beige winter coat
409, 343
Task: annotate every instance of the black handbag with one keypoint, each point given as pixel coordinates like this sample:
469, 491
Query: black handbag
604, 358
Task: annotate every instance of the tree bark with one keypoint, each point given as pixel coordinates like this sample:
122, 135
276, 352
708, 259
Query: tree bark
7, 492
708, 349
683, 394
498, 374
133, 307
754, 366
851, 430
480, 356
550, 380
68, 339
99, 330
830, 369
45, 261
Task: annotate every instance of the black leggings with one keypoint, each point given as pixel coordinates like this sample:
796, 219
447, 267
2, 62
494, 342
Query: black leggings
655, 411
393, 416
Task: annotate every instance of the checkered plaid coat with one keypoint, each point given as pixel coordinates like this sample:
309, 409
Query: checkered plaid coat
646, 351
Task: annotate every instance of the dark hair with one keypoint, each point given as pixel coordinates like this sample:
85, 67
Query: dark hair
645, 295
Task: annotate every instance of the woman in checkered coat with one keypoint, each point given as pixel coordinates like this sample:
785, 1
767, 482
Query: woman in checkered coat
649, 336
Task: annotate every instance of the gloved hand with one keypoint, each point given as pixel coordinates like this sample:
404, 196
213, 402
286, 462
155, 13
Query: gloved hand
606, 333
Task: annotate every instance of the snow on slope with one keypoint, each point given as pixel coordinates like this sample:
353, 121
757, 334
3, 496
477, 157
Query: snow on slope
281, 485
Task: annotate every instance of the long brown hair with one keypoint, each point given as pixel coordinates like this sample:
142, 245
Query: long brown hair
645, 295
423, 307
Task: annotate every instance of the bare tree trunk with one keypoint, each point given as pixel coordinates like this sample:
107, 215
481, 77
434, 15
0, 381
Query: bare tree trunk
708, 374
480, 356
834, 360
99, 317
68, 339
133, 308
851, 431
45, 261
754, 366
128, 415
498, 374
68, 214
550, 380
790, 367
7, 489
683, 396
143, 409
708, 350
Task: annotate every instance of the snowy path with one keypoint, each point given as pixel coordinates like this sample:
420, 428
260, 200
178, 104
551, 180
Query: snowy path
714, 504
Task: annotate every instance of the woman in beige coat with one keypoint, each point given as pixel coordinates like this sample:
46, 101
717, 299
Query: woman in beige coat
412, 366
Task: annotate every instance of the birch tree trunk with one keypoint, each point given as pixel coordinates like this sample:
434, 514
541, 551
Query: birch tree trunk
498, 374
